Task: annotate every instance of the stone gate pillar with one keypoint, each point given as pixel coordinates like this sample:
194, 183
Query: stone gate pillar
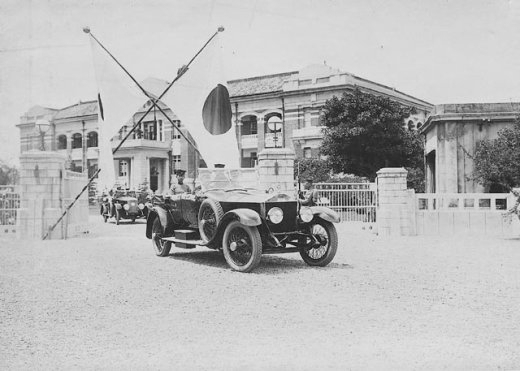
393, 217
276, 169
41, 175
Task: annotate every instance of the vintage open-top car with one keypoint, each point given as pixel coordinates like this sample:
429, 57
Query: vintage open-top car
123, 204
244, 223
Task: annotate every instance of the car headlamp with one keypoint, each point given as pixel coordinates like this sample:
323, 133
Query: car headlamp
126, 207
141, 206
275, 215
306, 214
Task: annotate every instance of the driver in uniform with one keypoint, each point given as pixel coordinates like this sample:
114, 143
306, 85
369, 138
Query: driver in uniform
179, 187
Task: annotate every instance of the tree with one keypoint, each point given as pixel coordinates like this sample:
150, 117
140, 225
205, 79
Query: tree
364, 133
497, 161
312, 168
8, 174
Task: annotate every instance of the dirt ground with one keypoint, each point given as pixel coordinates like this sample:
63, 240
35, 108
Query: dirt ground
105, 301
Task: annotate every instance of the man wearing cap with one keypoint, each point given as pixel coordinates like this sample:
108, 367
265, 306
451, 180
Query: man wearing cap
179, 187
310, 196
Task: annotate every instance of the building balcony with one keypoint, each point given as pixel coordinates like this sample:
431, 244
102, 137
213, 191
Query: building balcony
311, 132
143, 144
249, 141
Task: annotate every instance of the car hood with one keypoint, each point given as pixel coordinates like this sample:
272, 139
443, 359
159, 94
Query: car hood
247, 196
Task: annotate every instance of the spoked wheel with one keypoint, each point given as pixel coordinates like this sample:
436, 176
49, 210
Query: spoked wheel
242, 246
321, 249
161, 247
210, 215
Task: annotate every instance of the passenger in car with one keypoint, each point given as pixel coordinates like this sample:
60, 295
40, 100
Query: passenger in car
310, 196
179, 187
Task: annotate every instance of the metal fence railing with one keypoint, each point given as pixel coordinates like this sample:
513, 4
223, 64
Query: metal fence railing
355, 202
9, 205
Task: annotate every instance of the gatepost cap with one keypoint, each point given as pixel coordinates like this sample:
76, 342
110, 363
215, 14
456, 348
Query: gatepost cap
180, 172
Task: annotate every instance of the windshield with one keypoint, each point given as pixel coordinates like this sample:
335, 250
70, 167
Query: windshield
227, 179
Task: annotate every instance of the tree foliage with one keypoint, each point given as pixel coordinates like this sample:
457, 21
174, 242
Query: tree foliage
8, 174
312, 168
364, 133
497, 161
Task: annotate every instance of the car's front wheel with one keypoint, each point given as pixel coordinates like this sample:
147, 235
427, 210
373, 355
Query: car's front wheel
321, 248
161, 247
242, 246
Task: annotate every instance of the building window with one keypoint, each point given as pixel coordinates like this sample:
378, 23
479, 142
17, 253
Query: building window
274, 132
176, 159
161, 137
411, 125
419, 124
322, 80
123, 168
92, 139
254, 159
62, 142
175, 131
150, 130
76, 141
307, 152
305, 82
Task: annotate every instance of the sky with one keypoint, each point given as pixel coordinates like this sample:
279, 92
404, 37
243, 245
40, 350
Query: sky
464, 51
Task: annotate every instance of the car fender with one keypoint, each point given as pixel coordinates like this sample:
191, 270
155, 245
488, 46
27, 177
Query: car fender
164, 218
326, 214
245, 216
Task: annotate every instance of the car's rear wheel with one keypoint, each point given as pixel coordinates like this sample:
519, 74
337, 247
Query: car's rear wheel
242, 246
161, 247
210, 215
320, 250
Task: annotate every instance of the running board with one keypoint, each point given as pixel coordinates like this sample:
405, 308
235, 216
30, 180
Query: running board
184, 243
280, 250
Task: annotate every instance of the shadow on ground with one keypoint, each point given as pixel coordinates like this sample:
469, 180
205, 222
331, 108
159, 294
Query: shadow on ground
269, 264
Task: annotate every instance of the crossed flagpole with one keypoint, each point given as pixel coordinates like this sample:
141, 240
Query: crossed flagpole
154, 104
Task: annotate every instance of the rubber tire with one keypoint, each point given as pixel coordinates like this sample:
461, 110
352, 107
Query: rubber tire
118, 216
256, 246
164, 250
331, 250
217, 212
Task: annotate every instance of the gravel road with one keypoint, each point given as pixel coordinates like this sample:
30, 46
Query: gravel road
105, 301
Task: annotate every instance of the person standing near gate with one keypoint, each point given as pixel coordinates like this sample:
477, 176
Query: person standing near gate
179, 187
310, 195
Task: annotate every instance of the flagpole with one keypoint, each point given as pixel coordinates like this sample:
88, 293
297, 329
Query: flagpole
153, 100
179, 75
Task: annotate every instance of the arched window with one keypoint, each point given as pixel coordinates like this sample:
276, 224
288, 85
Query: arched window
274, 131
76, 141
419, 124
411, 125
62, 142
92, 139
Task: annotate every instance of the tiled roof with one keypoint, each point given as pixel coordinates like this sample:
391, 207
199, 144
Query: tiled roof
259, 85
78, 110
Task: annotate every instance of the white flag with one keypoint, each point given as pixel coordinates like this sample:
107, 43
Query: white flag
200, 99
118, 99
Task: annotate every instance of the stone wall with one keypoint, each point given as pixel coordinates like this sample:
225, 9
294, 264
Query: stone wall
44, 192
276, 169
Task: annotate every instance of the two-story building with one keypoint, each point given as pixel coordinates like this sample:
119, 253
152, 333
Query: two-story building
284, 110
